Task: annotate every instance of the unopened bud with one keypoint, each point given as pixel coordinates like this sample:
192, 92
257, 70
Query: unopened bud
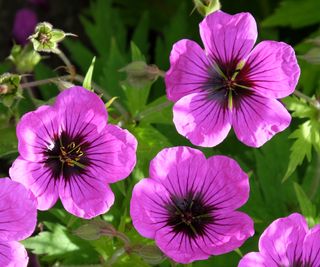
4, 89
25, 59
95, 229
46, 38
140, 74
206, 7
149, 253
9, 88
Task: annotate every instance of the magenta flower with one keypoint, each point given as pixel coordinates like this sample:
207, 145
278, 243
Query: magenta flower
188, 204
287, 242
69, 151
24, 23
18, 218
227, 84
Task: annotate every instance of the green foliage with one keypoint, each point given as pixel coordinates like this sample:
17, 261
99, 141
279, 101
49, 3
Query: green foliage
8, 140
306, 136
308, 210
25, 59
88, 78
57, 243
295, 13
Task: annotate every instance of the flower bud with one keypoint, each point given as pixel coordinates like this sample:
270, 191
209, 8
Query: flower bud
25, 59
95, 229
139, 74
9, 88
149, 253
205, 7
46, 38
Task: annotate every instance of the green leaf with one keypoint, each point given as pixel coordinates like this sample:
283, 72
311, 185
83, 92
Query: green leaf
51, 243
159, 111
307, 136
295, 13
268, 172
150, 142
110, 78
136, 54
102, 25
300, 108
88, 78
80, 54
8, 140
307, 208
140, 35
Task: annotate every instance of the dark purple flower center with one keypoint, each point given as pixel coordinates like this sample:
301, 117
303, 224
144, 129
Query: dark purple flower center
229, 82
66, 156
189, 214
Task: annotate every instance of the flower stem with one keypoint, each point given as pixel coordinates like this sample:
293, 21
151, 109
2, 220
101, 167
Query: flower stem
43, 82
70, 68
161, 73
311, 101
79, 78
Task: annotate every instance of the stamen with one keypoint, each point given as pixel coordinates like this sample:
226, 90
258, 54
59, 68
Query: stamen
219, 71
230, 100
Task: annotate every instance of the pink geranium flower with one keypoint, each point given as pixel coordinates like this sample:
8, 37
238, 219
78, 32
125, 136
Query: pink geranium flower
286, 242
69, 151
18, 218
188, 204
227, 84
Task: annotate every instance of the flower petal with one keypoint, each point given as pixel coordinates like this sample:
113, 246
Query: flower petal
257, 119
178, 168
79, 107
226, 185
189, 70
18, 212
13, 254
147, 207
85, 195
35, 132
38, 179
311, 247
255, 259
282, 240
227, 232
179, 247
205, 122
228, 38
112, 154
272, 69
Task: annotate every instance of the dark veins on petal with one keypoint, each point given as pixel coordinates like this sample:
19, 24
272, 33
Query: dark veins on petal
66, 156
228, 82
189, 214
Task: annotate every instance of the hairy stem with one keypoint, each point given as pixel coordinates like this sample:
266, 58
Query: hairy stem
79, 78
70, 68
